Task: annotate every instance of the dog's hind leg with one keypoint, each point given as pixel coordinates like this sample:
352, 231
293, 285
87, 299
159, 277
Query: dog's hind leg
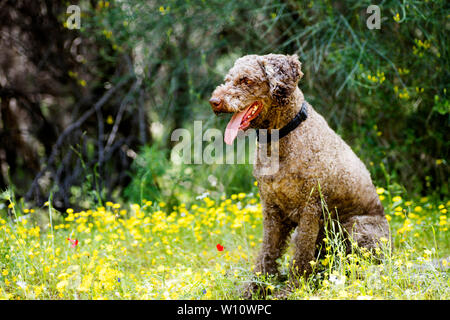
367, 230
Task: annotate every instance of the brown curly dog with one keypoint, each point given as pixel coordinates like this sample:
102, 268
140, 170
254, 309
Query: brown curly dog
316, 166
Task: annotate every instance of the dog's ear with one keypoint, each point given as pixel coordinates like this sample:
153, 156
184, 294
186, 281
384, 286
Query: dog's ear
283, 73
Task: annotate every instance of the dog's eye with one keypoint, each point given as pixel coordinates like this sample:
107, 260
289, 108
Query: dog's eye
246, 81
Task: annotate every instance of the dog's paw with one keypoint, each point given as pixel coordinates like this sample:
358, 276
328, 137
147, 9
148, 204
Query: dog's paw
282, 294
259, 291
249, 290
255, 290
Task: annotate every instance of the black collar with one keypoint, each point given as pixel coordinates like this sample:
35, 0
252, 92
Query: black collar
299, 118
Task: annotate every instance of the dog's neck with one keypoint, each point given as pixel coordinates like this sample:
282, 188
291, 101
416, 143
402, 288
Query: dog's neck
282, 115
279, 119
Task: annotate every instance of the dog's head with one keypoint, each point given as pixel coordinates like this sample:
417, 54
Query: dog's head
252, 87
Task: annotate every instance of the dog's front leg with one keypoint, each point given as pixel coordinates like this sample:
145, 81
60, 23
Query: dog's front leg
276, 233
305, 243
275, 236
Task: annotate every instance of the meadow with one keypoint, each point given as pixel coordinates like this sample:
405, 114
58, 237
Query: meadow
206, 250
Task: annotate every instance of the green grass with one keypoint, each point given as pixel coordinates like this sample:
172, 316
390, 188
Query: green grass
150, 251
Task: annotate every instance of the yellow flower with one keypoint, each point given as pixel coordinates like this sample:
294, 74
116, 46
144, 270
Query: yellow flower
380, 190
109, 120
38, 290
62, 285
396, 17
107, 33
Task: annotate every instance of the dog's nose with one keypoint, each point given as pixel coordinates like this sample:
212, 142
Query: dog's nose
216, 103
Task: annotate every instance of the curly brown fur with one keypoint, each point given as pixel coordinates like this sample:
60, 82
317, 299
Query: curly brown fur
312, 156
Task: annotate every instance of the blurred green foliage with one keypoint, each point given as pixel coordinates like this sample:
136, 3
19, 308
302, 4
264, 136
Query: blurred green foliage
384, 91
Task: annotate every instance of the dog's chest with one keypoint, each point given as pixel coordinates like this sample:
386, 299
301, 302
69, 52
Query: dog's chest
285, 189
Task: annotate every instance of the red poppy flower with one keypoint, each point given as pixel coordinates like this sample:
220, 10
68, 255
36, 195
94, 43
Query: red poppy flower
74, 242
219, 247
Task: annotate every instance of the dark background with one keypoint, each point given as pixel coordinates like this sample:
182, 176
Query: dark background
87, 114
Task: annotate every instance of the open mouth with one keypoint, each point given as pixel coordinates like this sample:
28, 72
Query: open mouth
250, 113
241, 120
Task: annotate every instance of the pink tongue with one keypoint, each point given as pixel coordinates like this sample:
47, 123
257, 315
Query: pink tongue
233, 126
